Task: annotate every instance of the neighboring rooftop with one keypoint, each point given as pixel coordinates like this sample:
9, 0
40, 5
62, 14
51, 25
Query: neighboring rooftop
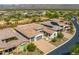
50, 31
9, 33
60, 22
47, 23
50, 24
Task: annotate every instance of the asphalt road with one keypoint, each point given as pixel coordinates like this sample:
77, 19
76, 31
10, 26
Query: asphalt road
64, 49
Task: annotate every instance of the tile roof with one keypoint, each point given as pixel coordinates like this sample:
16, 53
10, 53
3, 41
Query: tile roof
60, 22
29, 30
32, 25
6, 33
50, 31
9, 33
54, 27
47, 23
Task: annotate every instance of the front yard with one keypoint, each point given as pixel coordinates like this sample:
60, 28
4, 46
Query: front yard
26, 49
59, 41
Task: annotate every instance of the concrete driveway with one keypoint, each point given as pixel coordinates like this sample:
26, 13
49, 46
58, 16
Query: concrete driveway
67, 35
44, 45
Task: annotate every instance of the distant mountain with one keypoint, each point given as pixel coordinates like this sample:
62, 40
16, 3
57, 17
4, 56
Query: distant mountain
39, 6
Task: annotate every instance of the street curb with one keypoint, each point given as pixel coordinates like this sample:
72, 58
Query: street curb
63, 43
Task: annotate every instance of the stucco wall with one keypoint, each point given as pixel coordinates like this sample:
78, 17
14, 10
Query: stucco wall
53, 35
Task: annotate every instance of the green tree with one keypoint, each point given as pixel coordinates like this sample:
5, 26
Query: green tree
31, 47
48, 14
55, 15
74, 49
60, 35
60, 12
71, 28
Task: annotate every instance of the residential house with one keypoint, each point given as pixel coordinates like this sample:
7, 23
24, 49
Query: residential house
30, 31
52, 25
10, 39
49, 33
35, 31
64, 24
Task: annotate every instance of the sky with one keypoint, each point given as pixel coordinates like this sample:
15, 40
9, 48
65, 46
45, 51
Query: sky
39, 2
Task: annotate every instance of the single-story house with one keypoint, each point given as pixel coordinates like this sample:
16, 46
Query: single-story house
31, 31
63, 24
35, 31
10, 39
49, 32
52, 25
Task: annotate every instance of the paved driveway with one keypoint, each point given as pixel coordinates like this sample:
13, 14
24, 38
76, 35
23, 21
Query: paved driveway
44, 45
67, 35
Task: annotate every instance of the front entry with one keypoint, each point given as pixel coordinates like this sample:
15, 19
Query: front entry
38, 37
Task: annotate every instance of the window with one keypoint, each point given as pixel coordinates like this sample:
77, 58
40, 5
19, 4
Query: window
39, 37
9, 39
